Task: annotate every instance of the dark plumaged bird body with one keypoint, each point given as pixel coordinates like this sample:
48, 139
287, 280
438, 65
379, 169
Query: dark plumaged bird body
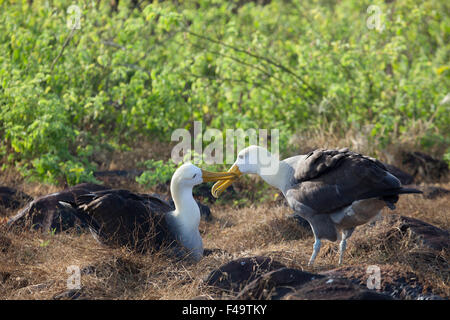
48, 214
115, 217
122, 218
334, 190
119, 217
12, 199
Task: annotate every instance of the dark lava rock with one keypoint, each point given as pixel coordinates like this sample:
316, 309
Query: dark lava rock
394, 280
429, 235
393, 228
234, 275
12, 199
425, 167
431, 192
405, 178
334, 289
276, 284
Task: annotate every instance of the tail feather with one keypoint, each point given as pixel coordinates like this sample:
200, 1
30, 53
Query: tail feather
392, 199
409, 190
388, 193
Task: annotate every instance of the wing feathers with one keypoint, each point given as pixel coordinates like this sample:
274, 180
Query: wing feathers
328, 180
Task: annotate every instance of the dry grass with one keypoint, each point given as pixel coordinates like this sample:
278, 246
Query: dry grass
360, 140
34, 265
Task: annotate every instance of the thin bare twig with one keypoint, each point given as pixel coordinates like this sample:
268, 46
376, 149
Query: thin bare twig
270, 61
66, 43
241, 62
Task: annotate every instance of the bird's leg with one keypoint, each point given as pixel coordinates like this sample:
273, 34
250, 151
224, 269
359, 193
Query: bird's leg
343, 244
342, 247
315, 251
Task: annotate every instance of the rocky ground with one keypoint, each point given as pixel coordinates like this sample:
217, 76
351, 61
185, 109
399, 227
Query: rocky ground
252, 252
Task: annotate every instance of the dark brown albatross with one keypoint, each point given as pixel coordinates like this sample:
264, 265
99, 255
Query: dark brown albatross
118, 217
49, 214
334, 190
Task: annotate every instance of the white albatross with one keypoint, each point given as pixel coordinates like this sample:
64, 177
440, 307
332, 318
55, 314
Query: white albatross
334, 190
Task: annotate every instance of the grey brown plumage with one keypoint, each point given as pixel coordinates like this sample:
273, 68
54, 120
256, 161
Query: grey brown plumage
123, 218
328, 180
12, 199
116, 217
47, 212
138, 221
338, 190
334, 190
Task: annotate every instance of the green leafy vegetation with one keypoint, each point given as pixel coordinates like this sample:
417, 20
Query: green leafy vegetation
158, 171
68, 95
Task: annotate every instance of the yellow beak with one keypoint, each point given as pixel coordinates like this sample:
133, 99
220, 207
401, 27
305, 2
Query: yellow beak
209, 176
220, 186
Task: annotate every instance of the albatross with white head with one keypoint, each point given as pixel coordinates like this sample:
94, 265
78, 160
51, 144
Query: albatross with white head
334, 190
183, 222
180, 222
124, 218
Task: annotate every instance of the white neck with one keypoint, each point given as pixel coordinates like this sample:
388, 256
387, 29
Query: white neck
185, 219
280, 178
186, 210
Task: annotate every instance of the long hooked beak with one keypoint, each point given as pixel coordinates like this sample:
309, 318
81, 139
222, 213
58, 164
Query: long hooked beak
209, 176
220, 186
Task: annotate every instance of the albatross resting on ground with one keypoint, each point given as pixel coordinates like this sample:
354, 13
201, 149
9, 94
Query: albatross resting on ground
49, 214
334, 190
139, 221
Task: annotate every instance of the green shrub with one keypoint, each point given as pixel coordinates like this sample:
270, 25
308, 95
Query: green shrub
66, 96
158, 172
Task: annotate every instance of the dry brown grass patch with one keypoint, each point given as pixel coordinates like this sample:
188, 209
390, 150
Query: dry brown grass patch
34, 265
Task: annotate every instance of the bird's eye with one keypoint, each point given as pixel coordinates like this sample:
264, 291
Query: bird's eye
194, 176
241, 156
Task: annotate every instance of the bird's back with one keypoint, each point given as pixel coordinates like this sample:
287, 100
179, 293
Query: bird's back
47, 212
328, 180
122, 218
